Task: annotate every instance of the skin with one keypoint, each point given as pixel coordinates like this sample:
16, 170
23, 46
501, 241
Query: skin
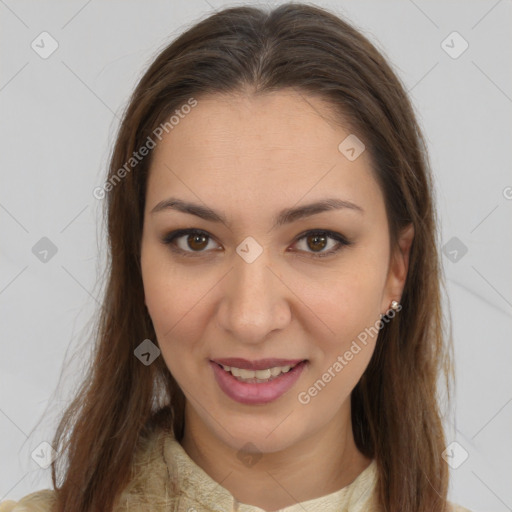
248, 158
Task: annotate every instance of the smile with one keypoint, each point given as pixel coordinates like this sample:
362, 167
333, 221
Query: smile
257, 386
257, 376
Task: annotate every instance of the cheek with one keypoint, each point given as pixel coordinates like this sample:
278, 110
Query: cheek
169, 293
340, 356
174, 313
349, 305
176, 302
160, 288
170, 313
347, 300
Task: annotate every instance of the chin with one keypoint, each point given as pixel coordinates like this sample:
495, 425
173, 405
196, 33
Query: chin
260, 435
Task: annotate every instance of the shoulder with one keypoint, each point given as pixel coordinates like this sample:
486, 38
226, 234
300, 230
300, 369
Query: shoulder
148, 470
39, 501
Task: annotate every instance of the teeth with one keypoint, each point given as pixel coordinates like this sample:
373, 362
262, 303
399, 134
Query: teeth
262, 375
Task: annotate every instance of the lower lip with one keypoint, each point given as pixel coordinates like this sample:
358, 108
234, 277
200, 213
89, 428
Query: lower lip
254, 393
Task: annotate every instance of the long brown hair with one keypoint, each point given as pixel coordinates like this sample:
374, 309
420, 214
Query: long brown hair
395, 412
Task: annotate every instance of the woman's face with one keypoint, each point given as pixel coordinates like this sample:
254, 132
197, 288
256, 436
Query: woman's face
256, 285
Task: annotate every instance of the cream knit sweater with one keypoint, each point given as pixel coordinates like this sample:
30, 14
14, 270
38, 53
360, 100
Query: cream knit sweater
165, 478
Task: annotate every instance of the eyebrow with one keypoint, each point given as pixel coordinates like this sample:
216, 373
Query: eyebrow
286, 216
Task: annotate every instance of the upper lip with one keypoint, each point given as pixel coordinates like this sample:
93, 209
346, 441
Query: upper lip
258, 364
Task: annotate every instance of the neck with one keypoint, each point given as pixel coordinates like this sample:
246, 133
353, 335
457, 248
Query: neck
315, 466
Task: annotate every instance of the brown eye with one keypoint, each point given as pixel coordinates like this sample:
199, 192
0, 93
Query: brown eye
188, 242
316, 242
194, 242
197, 242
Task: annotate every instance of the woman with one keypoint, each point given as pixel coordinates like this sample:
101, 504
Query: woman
272, 333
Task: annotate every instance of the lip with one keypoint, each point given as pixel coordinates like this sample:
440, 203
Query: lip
257, 393
258, 364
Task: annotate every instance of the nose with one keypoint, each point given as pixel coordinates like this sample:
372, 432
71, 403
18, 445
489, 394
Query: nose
255, 300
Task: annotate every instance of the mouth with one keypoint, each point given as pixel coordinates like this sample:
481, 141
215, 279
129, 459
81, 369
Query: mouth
268, 372
256, 382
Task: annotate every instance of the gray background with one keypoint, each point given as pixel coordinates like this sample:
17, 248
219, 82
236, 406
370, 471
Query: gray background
58, 121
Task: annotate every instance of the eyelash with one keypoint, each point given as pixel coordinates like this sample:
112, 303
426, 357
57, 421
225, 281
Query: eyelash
342, 241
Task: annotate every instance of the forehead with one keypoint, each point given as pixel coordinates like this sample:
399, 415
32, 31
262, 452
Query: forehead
282, 122
271, 148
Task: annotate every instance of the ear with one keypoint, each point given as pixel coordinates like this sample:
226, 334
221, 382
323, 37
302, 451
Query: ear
398, 267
